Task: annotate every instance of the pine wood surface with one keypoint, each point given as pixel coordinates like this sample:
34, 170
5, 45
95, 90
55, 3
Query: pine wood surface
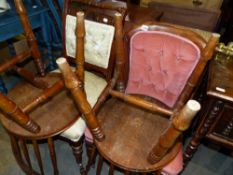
60, 109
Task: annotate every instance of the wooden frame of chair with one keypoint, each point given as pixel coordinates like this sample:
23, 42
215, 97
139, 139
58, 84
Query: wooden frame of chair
181, 114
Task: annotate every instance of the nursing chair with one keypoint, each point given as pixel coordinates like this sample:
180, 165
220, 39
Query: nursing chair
141, 127
39, 109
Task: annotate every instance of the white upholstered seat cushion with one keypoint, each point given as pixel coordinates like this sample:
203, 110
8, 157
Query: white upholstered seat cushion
94, 85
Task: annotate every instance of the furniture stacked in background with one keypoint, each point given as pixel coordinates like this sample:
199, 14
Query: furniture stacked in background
215, 121
203, 15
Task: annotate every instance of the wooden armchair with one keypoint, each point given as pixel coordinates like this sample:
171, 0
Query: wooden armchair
40, 108
140, 128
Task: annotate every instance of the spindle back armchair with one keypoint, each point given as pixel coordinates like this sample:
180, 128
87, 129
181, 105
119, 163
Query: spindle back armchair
142, 125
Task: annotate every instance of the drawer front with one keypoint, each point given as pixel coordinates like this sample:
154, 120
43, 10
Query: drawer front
207, 4
190, 17
223, 126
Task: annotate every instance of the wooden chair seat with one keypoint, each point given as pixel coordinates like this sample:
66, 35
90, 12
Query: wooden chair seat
130, 129
62, 119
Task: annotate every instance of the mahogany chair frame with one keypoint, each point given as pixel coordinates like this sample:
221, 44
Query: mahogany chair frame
182, 112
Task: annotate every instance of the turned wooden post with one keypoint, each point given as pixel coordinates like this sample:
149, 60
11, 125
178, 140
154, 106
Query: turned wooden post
16, 114
80, 34
74, 85
181, 121
30, 36
120, 54
207, 54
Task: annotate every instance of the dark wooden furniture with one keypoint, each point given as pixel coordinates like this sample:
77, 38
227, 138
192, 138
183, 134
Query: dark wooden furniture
135, 132
216, 120
204, 15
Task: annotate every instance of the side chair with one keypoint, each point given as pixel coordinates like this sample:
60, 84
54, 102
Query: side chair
39, 108
143, 124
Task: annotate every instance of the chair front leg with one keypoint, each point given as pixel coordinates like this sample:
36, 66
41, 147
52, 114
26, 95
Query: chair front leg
91, 154
77, 148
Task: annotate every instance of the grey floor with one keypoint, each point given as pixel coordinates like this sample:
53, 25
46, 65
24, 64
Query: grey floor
206, 161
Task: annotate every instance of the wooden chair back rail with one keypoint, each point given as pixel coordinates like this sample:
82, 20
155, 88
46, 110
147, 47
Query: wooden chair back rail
80, 34
30, 36
45, 95
196, 74
141, 103
166, 27
120, 54
100, 5
14, 60
36, 81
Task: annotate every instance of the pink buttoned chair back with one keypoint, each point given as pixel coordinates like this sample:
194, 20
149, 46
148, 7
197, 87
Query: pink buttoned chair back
160, 64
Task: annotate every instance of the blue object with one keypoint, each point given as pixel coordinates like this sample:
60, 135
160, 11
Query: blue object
43, 25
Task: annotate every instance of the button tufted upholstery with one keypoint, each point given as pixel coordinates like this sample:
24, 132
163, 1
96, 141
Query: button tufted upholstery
98, 41
160, 65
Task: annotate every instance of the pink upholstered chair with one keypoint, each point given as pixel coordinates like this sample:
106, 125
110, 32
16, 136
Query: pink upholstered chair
143, 123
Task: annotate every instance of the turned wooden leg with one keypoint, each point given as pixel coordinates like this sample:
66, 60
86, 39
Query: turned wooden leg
91, 154
77, 148
202, 130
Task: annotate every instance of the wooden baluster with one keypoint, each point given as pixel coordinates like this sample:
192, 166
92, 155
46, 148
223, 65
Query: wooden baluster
111, 169
73, 84
120, 54
91, 154
16, 59
80, 34
49, 92
77, 148
38, 156
18, 156
37, 82
180, 122
100, 165
126, 172
31, 39
53, 155
26, 154
193, 80
16, 114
